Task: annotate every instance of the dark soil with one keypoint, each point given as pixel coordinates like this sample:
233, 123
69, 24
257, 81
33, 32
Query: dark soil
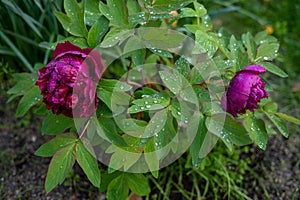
275, 172
22, 174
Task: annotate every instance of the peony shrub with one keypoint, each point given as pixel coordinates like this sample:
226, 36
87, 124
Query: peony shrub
134, 87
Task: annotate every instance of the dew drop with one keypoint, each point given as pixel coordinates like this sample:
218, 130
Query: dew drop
186, 120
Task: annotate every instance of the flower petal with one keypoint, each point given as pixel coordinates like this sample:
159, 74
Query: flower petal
255, 69
65, 47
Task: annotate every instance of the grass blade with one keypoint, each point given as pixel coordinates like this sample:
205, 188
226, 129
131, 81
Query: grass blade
16, 51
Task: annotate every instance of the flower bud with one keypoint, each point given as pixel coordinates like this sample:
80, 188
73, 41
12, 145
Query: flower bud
245, 91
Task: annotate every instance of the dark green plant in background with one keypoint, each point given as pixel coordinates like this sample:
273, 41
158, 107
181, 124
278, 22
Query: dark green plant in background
26, 28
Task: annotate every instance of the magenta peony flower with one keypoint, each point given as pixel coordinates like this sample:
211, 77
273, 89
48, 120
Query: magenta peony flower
245, 90
68, 82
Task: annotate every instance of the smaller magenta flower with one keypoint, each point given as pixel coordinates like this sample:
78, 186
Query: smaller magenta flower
245, 91
68, 82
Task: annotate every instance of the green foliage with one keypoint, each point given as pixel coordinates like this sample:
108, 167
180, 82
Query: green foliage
152, 112
88, 162
50, 148
118, 187
60, 165
26, 26
56, 124
220, 175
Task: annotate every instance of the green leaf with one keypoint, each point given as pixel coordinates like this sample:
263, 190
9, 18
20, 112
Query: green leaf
106, 178
200, 9
65, 22
78, 41
273, 69
280, 125
163, 6
270, 107
197, 75
123, 159
133, 7
59, 167
182, 66
228, 130
234, 46
206, 42
195, 148
263, 37
288, 118
118, 12
118, 189
97, 31
161, 52
114, 98
76, 14
133, 43
114, 85
211, 108
138, 184
115, 36
73, 20
55, 124
138, 18
29, 99
88, 163
192, 27
104, 10
222, 64
150, 102
257, 131
161, 39
151, 156
250, 45
260, 37
51, 147
188, 12
133, 127
180, 110
136, 49
202, 94
24, 82
164, 136
174, 81
156, 123
267, 51
91, 12
107, 130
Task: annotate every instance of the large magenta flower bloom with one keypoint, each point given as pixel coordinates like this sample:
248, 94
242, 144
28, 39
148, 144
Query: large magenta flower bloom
68, 82
245, 90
